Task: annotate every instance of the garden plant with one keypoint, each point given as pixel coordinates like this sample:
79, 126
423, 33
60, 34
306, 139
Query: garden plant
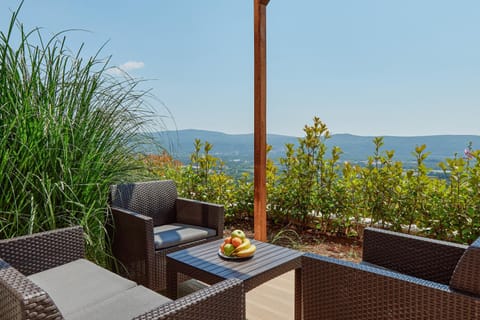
68, 129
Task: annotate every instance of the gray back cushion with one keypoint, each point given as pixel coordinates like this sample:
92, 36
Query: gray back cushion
155, 199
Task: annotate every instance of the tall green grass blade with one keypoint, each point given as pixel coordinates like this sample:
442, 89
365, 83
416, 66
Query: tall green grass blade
68, 130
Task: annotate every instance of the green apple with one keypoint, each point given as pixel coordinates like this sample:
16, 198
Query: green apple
228, 249
238, 234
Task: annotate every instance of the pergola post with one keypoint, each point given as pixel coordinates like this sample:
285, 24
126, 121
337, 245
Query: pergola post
260, 120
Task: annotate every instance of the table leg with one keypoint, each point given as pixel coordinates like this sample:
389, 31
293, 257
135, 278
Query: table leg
172, 282
298, 294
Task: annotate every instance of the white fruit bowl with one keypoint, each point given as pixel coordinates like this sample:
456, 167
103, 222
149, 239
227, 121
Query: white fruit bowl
232, 257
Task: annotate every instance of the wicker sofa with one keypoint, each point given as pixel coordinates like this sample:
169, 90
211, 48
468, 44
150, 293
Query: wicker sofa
401, 277
150, 221
45, 276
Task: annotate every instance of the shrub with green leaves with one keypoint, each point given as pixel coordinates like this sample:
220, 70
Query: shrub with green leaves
314, 189
306, 184
68, 130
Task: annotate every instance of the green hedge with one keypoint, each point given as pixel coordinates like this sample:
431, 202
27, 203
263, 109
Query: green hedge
313, 187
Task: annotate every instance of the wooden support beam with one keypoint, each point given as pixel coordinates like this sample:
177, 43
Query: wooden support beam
260, 120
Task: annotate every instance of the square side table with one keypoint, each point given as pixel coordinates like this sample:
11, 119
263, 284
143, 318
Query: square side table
203, 263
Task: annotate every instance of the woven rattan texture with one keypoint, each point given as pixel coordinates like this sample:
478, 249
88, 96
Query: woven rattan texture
32, 254
22, 299
161, 265
419, 257
137, 270
466, 276
155, 199
19, 297
133, 227
222, 301
206, 214
338, 290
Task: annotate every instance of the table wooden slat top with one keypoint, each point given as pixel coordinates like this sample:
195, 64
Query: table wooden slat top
204, 263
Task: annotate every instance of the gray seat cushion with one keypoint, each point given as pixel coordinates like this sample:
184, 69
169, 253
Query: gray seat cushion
170, 235
79, 284
125, 305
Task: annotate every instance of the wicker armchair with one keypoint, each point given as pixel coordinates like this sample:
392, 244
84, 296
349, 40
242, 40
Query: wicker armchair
150, 221
401, 277
37, 282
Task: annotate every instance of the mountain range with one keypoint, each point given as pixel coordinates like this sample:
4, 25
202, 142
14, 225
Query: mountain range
239, 147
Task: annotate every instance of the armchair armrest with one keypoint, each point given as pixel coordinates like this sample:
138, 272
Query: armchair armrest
420, 257
201, 214
34, 253
466, 276
23, 299
132, 243
342, 290
222, 301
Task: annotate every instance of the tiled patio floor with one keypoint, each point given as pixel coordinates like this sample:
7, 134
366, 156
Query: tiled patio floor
273, 300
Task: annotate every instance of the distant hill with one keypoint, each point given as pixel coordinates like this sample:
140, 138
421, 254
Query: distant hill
439, 146
239, 147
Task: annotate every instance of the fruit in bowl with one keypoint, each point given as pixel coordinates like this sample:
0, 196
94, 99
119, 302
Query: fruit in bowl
237, 245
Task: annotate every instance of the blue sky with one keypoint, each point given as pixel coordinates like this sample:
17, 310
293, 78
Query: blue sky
370, 67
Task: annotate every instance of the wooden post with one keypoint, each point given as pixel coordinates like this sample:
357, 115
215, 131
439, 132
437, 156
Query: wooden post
260, 120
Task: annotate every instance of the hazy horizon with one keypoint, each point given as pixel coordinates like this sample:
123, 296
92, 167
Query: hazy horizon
336, 133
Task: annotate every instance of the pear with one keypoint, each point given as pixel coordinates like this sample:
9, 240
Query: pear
228, 249
238, 233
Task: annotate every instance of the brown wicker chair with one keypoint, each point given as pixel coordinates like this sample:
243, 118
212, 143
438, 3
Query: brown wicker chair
401, 277
149, 219
31, 264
